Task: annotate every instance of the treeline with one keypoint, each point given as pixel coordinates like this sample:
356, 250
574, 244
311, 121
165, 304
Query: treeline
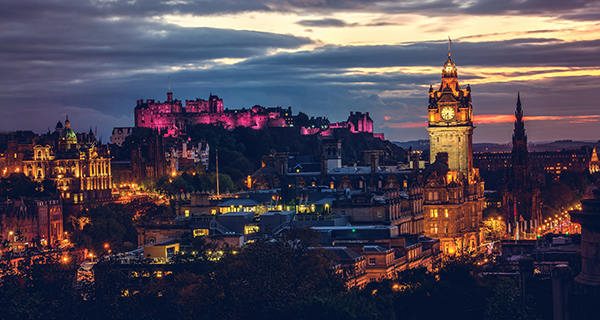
18, 185
240, 151
282, 279
100, 228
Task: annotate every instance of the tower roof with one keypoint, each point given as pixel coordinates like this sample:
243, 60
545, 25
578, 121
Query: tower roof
449, 69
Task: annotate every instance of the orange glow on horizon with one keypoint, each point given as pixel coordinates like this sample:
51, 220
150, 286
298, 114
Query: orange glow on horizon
497, 118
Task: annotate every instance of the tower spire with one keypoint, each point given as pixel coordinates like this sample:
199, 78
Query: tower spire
519, 111
449, 45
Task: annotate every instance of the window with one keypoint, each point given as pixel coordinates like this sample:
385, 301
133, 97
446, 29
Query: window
372, 261
433, 228
445, 213
435, 196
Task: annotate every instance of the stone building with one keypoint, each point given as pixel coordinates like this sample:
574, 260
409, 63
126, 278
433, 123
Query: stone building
25, 222
544, 161
521, 194
453, 189
76, 163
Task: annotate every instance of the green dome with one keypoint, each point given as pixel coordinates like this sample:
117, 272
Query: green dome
68, 134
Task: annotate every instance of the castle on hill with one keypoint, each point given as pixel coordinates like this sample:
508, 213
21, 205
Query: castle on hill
172, 116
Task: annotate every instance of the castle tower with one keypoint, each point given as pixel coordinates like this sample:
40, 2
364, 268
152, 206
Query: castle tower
451, 121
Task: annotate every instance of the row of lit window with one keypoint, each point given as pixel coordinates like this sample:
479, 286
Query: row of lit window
434, 213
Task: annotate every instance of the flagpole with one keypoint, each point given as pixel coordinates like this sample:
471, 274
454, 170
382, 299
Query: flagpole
217, 172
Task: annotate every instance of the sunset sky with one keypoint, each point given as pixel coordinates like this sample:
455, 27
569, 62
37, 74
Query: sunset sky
93, 59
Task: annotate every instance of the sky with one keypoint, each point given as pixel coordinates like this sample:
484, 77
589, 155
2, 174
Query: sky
91, 60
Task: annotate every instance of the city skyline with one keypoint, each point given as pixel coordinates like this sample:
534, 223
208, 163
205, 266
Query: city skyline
93, 60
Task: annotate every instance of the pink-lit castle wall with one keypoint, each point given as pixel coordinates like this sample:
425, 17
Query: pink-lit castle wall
357, 122
171, 115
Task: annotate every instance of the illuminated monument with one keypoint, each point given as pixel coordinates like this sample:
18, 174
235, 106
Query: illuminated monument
521, 194
453, 189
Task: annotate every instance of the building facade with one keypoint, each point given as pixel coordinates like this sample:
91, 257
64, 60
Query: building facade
30, 222
76, 163
453, 189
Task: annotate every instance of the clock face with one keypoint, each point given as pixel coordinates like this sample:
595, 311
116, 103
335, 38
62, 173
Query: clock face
447, 113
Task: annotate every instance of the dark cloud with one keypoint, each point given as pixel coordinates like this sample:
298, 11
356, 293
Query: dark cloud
126, 9
381, 24
338, 23
40, 9
449, 7
529, 52
93, 60
326, 23
581, 16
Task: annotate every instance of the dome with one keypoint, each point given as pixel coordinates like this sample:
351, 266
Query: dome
440, 166
68, 134
449, 69
59, 125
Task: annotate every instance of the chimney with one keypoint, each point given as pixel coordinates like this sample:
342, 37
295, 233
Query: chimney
323, 166
415, 163
442, 157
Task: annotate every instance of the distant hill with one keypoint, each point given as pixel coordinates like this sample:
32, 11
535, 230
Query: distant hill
506, 147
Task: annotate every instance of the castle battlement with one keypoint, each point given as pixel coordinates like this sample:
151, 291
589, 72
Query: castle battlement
173, 114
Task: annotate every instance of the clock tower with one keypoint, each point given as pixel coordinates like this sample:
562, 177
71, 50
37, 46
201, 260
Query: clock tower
451, 122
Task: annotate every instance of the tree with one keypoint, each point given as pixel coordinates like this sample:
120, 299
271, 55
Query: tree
505, 304
107, 224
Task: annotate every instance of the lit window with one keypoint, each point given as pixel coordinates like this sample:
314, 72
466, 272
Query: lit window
434, 213
433, 228
446, 213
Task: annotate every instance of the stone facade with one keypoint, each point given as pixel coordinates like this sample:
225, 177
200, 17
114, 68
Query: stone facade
76, 163
453, 189
26, 221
